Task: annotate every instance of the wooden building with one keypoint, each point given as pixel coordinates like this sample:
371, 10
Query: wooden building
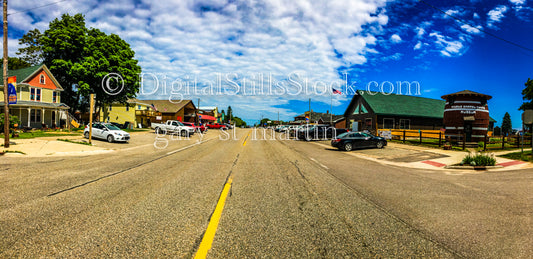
371, 111
466, 115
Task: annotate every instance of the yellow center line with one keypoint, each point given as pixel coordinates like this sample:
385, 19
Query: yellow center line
246, 139
207, 240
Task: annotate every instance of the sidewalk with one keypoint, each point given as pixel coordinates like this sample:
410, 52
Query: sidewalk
421, 157
50, 146
455, 157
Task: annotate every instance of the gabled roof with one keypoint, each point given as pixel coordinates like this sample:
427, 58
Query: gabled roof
401, 105
25, 74
166, 106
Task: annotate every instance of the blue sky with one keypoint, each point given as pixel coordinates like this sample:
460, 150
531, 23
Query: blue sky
246, 42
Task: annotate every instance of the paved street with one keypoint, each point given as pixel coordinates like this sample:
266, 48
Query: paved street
287, 199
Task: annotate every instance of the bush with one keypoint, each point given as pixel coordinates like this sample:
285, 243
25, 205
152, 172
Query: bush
12, 121
479, 159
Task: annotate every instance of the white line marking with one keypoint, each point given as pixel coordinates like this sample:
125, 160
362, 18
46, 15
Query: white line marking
186, 147
323, 166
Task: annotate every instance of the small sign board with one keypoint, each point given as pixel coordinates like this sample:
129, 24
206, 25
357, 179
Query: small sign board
527, 117
12, 90
387, 134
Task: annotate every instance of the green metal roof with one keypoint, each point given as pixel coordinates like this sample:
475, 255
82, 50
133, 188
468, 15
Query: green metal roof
21, 74
404, 105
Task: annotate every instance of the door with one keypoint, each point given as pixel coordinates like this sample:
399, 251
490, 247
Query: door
97, 131
468, 131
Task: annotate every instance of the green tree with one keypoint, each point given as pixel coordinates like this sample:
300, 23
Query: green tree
239, 122
507, 126
12, 121
80, 58
527, 94
32, 53
229, 115
265, 121
14, 63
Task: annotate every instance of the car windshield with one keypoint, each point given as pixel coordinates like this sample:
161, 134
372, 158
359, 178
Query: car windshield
112, 127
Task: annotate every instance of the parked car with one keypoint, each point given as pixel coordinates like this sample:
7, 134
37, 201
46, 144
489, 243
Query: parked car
352, 140
200, 128
316, 132
173, 127
229, 126
107, 131
216, 126
118, 125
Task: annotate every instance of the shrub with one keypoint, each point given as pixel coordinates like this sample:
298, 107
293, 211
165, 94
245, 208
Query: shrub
480, 159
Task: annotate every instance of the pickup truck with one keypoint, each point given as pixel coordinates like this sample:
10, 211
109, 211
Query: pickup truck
200, 128
174, 127
216, 126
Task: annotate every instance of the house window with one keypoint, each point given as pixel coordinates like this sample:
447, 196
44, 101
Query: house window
54, 97
405, 124
110, 107
388, 123
127, 108
138, 107
35, 116
35, 94
42, 79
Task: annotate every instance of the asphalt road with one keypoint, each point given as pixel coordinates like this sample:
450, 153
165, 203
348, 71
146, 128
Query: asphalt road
287, 199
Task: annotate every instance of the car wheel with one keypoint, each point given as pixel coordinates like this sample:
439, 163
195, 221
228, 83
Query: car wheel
348, 146
158, 131
380, 144
183, 133
86, 134
110, 138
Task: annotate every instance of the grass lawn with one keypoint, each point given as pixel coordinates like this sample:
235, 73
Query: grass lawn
526, 156
39, 133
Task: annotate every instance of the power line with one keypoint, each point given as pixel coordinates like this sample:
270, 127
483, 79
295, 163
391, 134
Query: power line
481, 30
27, 10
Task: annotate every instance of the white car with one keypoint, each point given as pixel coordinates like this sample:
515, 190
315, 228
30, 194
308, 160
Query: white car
107, 131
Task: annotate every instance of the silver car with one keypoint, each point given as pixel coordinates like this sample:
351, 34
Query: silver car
107, 131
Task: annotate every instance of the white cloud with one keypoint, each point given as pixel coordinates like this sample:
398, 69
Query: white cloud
447, 46
396, 38
472, 30
418, 45
188, 39
495, 15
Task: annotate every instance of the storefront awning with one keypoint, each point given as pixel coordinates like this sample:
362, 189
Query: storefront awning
206, 117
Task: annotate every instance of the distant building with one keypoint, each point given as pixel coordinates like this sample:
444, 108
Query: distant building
373, 110
209, 114
316, 117
38, 98
141, 113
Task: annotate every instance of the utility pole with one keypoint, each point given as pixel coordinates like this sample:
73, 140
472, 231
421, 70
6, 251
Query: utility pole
197, 113
6, 101
91, 107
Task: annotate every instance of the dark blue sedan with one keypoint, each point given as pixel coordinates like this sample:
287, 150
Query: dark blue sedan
353, 140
